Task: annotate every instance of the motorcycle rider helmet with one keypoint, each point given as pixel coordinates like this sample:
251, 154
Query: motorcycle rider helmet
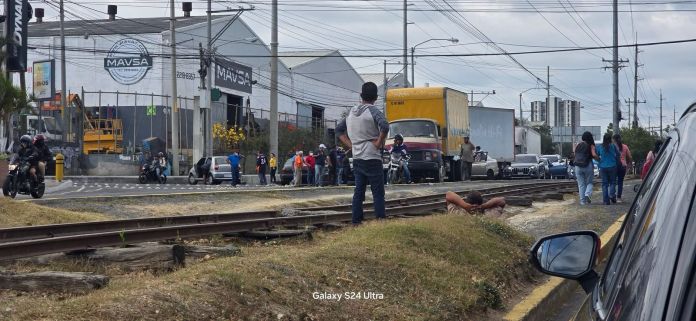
25, 140
160, 154
398, 138
39, 138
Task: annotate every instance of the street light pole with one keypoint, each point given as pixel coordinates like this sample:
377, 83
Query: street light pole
413, 51
521, 118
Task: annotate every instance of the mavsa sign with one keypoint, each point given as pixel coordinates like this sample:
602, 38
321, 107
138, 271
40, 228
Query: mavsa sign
128, 61
232, 75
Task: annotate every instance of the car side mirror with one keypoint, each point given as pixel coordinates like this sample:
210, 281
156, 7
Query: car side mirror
568, 255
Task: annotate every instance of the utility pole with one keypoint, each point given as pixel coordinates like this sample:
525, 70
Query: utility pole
63, 90
661, 99
521, 118
208, 124
384, 92
550, 121
635, 90
674, 117
175, 108
274, 77
406, 45
615, 68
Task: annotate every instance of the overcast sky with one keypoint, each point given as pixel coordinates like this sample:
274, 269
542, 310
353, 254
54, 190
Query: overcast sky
375, 28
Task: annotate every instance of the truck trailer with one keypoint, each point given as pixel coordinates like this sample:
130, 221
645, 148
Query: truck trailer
433, 121
493, 129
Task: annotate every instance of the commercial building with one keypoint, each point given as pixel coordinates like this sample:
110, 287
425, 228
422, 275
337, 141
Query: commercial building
121, 69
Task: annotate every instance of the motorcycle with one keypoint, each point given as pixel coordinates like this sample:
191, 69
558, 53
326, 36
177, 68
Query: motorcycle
397, 162
148, 173
19, 180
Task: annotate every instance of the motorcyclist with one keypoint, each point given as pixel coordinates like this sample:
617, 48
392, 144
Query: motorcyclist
400, 147
45, 155
28, 153
161, 163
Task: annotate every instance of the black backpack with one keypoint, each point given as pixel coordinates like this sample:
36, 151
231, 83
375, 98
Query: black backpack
582, 155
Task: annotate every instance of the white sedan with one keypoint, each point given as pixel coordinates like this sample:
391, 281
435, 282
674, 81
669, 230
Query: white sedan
484, 166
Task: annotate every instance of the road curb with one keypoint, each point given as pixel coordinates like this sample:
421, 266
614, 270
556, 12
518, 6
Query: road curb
553, 291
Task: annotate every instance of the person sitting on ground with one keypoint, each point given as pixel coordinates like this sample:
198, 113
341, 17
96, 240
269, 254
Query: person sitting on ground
474, 204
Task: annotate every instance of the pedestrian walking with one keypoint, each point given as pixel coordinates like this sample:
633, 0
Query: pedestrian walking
234, 160
332, 163
298, 163
364, 130
319, 165
310, 160
650, 159
273, 163
467, 158
609, 158
626, 159
261, 164
584, 153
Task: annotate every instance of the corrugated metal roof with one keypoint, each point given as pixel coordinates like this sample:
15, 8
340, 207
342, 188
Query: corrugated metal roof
110, 27
293, 59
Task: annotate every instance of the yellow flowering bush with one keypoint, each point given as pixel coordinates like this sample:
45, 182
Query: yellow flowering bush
227, 139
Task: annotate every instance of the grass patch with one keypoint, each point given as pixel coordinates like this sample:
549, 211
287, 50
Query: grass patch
14, 213
445, 267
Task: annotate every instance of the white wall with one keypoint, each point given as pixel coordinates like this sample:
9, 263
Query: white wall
86, 68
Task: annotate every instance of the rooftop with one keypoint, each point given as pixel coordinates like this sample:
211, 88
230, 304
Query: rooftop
294, 59
110, 27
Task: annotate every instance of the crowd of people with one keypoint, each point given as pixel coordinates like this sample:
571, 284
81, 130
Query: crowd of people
613, 158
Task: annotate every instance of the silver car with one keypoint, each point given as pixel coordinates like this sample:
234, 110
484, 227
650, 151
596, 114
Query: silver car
220, 171
484, 166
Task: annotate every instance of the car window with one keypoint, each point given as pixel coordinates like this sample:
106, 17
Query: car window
638, 277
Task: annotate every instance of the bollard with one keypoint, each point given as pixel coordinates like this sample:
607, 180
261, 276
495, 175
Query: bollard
59, 167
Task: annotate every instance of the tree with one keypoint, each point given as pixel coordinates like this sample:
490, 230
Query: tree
12, 102
546, 141
639, 141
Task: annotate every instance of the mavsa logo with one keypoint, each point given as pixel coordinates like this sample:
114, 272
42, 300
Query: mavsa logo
128, 61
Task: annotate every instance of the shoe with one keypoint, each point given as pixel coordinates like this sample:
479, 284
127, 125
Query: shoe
619, 200
613, 200
588, 200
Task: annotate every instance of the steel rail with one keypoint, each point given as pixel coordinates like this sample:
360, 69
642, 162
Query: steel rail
28, 248
14, 234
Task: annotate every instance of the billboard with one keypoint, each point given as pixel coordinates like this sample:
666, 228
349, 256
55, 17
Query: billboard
17, 16
231, 75
44, 80
565, 134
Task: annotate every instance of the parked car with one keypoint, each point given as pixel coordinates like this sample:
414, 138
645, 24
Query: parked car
650, 271
559, 167
287, 173
484, 166
526, 165
220, 171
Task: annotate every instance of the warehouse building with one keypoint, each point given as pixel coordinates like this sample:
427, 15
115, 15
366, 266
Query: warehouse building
121, 69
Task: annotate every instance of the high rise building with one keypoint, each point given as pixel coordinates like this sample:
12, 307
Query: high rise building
569, 113
538, 112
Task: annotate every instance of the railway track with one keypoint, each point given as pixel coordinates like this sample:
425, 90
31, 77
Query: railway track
19, 242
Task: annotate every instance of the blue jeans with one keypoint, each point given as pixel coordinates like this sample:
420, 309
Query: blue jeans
235, 175
608, 183
584, 177
310, 175
620, 174
318, 170
368, 171
407, 172
262, 177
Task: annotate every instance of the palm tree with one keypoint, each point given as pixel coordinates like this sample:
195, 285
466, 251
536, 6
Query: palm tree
12, 102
